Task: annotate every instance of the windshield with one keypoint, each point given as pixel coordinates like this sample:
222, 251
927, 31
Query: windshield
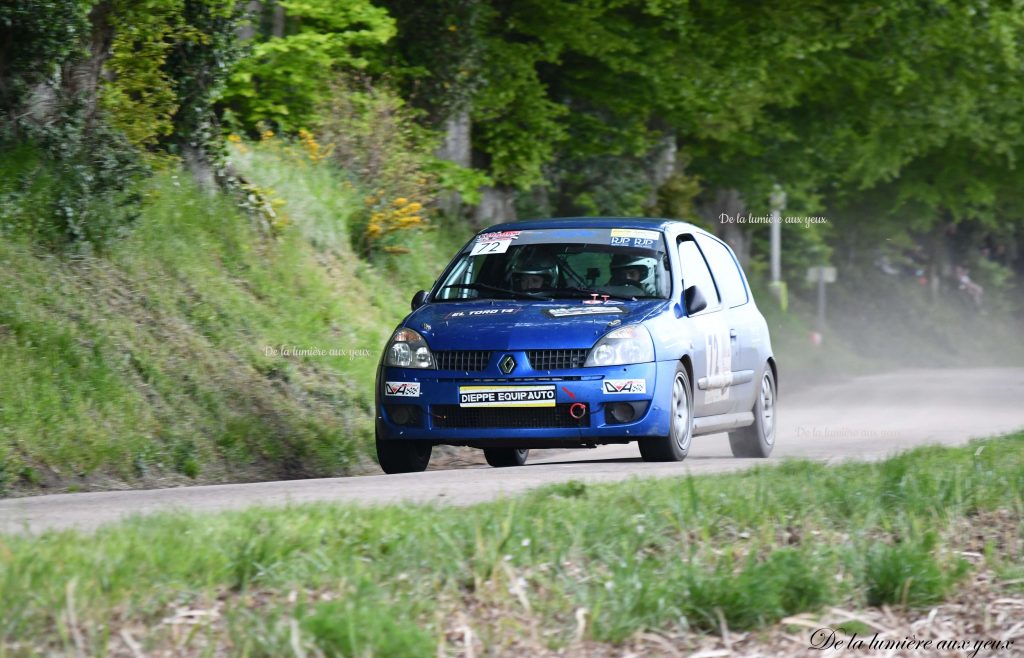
559, 264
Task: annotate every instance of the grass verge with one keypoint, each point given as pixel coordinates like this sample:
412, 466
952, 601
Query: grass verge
165, 360
563, 564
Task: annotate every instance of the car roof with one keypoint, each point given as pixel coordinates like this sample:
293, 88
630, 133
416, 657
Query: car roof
651, 223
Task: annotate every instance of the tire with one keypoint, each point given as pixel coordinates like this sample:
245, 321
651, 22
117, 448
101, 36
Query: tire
676, 445
502, 457
757, 440
398, 456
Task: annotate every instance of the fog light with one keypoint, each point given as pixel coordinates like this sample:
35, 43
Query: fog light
400, 414
621, 412
409, 415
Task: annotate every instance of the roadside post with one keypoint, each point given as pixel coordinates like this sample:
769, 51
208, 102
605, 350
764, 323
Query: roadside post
821, 275
777, 285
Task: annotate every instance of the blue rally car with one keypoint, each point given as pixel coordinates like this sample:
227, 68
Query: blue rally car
567, 333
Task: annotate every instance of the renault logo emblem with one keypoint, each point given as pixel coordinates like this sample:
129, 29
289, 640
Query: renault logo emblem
507, 364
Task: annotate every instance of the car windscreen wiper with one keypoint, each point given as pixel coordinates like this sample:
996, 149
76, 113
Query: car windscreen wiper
516, 294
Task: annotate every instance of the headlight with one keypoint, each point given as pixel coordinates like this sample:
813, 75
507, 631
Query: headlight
625, 345
407, 349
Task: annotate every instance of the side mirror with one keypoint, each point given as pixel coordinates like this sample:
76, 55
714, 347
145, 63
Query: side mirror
693, 300
419, 299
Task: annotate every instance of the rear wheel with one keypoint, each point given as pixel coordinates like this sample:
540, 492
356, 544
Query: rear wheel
676, 445
757, 440
502, 457
398, 456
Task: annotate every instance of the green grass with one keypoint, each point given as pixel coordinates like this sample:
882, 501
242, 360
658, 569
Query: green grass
748, 549
156, 362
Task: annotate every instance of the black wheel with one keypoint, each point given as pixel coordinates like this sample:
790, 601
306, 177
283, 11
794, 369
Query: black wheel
757, 440
501, 457
398, 456
676, 445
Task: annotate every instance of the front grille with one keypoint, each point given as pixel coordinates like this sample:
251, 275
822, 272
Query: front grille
557, 359
466, 360
454, 416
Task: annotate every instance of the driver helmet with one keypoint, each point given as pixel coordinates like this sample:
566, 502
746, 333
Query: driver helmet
635, 270
534, 271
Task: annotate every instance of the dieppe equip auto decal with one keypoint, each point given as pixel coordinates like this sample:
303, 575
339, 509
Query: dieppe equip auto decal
402, 389
507, 396
633, 237
493, 243
614, 386
481, 312
582, 310
718, 351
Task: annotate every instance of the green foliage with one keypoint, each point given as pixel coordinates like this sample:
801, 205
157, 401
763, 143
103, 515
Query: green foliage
36, 37
71, 185
517, 124
139, 93
675, 198
198, 65
287, 78
464, 181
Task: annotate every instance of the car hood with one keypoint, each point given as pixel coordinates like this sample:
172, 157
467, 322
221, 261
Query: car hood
520, 325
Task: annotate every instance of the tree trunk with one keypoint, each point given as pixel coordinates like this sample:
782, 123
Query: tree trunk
277, 29
197, 162
497, 204
457, 148
249, 29
82, 78
664, 165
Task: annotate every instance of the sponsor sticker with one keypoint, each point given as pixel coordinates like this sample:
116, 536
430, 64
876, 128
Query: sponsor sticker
583, 310
633, 237
484, 312
507, 396
615, 386
402, 389
493, 243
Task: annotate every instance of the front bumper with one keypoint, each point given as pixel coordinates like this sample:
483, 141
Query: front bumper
431, 409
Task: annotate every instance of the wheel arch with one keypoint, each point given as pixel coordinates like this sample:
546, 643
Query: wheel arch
688, 365
775, 373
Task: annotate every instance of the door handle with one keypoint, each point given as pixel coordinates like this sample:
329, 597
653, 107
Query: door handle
732, 333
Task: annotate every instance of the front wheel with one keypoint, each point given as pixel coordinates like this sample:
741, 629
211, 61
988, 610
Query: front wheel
676, 445
757, 440
399, 456
502, 457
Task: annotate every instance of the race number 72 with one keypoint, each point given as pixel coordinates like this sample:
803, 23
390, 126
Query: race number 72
492, 247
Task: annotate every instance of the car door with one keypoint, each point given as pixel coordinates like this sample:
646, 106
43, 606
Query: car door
712, 352
741, 318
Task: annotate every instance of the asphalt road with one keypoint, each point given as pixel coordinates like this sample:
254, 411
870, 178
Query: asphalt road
864, 418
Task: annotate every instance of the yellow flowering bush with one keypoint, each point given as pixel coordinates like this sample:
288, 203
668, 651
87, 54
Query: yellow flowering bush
375, 139
388, 218
313, 149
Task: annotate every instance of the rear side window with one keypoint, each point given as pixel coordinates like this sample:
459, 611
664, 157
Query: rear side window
695, 271
727, 273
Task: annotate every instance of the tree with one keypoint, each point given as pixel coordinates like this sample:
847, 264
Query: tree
286, 77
